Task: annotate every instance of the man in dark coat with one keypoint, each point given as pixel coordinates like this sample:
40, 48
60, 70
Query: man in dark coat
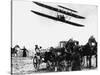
24, 52
76, 62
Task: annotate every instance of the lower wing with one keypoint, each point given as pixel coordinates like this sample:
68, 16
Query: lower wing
57, 19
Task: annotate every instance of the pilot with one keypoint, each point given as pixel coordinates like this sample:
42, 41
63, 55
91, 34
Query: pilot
62, 17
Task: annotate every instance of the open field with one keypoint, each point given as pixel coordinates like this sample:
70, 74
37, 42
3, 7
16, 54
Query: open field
24, 66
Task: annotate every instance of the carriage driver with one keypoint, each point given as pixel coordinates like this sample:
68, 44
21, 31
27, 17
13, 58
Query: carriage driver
37, 50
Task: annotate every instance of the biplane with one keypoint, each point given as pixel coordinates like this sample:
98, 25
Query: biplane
60, 18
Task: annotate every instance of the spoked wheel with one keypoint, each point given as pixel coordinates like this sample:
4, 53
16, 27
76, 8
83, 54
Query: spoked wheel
36, 62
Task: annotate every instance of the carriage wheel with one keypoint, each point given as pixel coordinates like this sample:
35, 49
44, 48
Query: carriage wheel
36, 62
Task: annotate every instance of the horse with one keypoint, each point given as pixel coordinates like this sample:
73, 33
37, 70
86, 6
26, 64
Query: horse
57, 59
88, 51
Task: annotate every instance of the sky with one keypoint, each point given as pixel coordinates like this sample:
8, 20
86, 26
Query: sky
29, 29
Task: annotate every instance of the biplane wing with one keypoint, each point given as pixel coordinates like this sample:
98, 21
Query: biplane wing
59, 10
67, 8
57, 19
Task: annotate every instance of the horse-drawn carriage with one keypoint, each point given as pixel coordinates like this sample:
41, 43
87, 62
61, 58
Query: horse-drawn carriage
68, 57
38, 59
56, 59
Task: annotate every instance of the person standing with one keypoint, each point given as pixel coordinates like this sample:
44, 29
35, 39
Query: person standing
76, 62
24, 52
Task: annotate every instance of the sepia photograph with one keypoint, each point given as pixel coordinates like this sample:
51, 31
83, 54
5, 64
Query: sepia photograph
53, 37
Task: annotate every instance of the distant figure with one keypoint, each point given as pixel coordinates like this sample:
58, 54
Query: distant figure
24, 52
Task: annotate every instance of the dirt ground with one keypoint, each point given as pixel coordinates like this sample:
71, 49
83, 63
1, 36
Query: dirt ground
24, 66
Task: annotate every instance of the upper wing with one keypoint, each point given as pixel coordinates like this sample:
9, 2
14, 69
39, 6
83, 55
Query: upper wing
67, 8
59, 10
54, 18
